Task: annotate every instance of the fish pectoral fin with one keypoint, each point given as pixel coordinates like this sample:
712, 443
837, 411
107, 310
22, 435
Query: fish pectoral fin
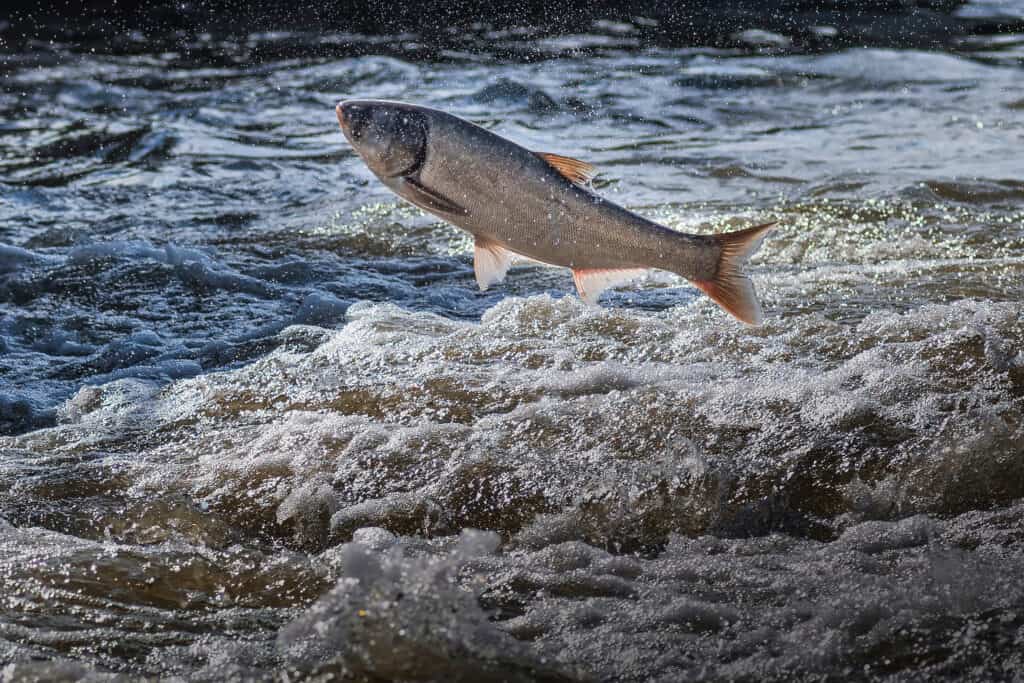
490, 262
431, 200
573, 169
590, 282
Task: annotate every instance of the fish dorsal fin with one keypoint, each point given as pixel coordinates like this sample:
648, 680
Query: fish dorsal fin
490, 262
590, 282
575, 170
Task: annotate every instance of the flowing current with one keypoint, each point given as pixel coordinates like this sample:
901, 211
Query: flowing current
258, 421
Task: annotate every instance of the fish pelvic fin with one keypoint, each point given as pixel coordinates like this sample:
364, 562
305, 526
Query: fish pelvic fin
590, 282
491, 262
576, 171
730, 288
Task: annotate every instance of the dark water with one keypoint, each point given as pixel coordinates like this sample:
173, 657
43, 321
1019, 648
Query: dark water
259, 420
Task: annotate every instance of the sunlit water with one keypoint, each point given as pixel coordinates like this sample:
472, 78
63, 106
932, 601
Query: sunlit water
259, 419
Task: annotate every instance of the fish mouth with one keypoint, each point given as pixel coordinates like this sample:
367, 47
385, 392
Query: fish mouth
345, 113
342, 115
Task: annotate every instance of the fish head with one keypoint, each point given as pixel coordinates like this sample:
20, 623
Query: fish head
391, 137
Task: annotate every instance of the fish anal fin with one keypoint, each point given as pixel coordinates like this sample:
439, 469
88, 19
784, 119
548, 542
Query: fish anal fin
491, 262
591, 282
730, 288
573, 169
429, 199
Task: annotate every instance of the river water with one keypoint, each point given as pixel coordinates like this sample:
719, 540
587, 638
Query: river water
259, 422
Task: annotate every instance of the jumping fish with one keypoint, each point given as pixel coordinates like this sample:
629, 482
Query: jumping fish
538, 205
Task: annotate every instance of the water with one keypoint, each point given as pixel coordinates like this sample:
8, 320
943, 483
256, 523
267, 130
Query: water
258, 419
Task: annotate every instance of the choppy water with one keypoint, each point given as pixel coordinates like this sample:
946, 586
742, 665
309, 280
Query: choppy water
258, 418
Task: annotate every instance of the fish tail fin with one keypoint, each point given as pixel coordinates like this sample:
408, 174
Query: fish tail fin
730, 288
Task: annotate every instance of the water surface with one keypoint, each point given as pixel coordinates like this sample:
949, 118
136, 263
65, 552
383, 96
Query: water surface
258, 417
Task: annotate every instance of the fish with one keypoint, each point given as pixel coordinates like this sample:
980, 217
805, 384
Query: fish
540, 205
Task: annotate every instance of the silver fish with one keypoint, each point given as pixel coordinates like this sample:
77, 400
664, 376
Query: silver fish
514, 201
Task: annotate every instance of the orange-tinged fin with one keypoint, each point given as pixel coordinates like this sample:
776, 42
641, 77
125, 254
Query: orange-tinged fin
490, 262
575, 170
591, 282
730, 288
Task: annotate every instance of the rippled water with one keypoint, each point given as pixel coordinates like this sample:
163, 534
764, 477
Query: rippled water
259, 419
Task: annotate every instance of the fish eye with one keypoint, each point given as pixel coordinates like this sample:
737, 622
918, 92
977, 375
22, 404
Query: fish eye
357, 128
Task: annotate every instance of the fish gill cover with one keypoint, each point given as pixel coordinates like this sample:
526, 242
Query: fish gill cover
260, 424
